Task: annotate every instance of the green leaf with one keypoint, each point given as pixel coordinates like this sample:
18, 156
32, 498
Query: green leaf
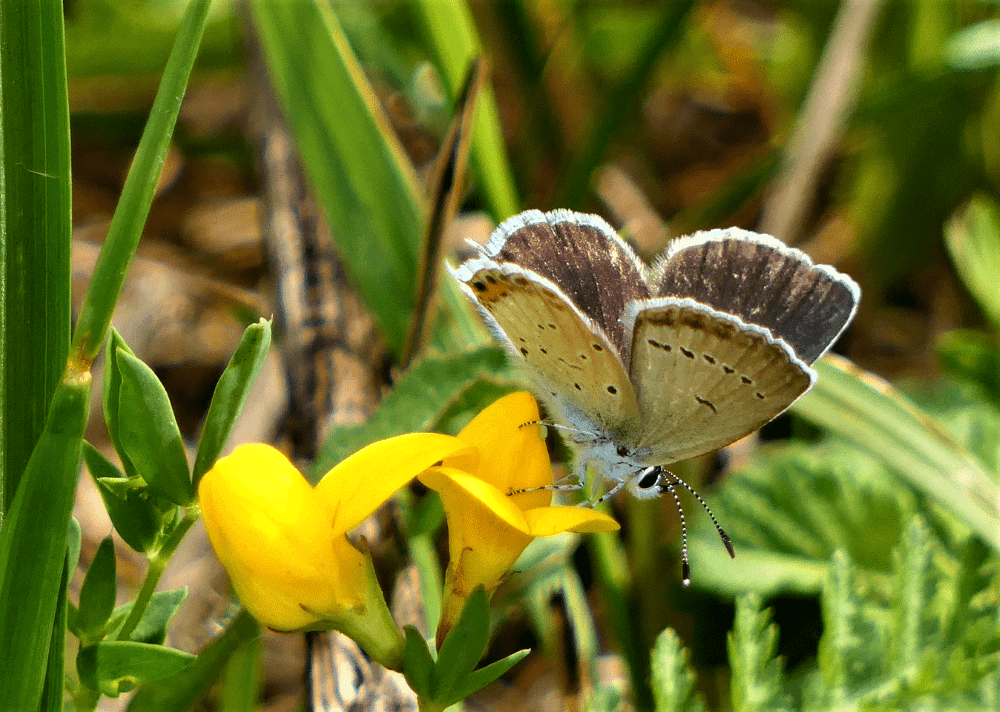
790, 510
53, 691
478, 679
35, 228
673, 681
116, 666
851, 651
97, 595
111, 396
972, 236
140, 185
366, 184
240, 689
418, 665
149, 433
425, 395
462, 647
876, 417
757, 682
180, 691
973, 48
452, 35
972, 357
33, 547
231, 395
152, 627
134, 515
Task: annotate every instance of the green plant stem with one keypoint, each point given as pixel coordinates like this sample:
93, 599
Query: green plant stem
157, 564
137, 195
85, 699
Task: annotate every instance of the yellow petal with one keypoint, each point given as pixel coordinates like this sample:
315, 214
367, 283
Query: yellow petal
486, 531
547, 521
360, 484
512, 452
275, 540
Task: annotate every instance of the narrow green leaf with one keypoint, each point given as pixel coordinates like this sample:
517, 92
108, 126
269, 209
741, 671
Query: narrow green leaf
134, 515
117, 666
451, 31
111, 395
478, 679
972, 236
241, 683
425, 395
973, 357
53, 690
673, 681
180, 691
97, 595
757, 681
369, 191
418, 665
33, 546
462, 647
872, 414
137, 195
231, 394
623, 99
974, 48
148, 431
35, 226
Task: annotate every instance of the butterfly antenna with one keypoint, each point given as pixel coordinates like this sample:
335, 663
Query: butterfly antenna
685, 566
722, 534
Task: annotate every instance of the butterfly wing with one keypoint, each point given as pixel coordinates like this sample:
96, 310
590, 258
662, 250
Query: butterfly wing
575, 365
726, 343
763, 282
705, 379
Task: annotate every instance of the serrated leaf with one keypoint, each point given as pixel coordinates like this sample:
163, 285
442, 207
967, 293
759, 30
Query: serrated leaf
181, 690
418, 665
134, 515
851, 649
149, 433
422, 396
790, 509
117, 666
672, 678
872, 414
478, 679
231, 394
462, 647
97, 595
757, 680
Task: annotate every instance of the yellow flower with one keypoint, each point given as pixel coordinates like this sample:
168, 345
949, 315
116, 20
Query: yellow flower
488, 527
284, 542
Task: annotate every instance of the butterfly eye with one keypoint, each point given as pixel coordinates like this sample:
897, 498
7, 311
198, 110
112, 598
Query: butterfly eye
649, 478
623, 451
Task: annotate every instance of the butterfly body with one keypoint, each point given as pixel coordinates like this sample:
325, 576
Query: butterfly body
648, 366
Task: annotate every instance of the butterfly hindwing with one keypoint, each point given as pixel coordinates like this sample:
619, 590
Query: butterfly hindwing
705, 379
576, 366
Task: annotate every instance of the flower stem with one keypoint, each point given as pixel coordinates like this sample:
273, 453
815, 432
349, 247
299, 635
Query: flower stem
157, 564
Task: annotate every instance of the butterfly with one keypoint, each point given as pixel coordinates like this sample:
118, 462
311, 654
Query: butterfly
645, 366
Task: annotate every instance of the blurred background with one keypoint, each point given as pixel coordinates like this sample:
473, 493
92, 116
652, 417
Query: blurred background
865, 132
